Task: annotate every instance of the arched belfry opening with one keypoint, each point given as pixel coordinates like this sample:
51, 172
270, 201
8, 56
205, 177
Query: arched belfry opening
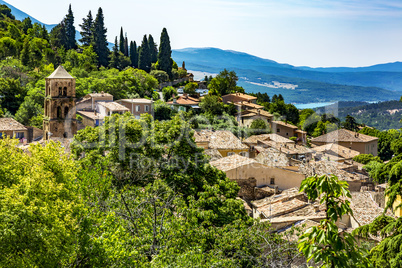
59, 112
65, 111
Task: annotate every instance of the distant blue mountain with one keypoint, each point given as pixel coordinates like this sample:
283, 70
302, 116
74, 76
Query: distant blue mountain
387, 76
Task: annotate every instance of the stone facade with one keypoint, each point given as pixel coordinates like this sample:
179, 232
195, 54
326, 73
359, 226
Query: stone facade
60, 111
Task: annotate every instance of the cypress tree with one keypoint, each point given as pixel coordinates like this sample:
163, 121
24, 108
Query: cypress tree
114, 56
165, 52
121, 43
100, 40
87, 28
126, 47
144, 59
70, 29
153, 50
133, 54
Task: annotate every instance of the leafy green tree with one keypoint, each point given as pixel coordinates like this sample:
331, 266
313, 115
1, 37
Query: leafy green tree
32, 107
224, 83
259, 126
5, 12
165, 62
162, 111
26, 25
40, 209
8, 47
100, 40
323, 243
87, 30
58, 35
153, 50
212, 104
12, 93
144, 57
190, 88
161, 76
350, 123
366, 158
133, 54
70, 30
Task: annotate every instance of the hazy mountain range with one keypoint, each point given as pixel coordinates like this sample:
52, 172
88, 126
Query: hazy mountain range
300, 84
297, 84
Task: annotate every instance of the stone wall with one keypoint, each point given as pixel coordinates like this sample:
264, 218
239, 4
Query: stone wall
246, 188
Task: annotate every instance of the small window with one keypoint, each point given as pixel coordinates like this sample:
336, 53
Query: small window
287, 134
243, 153
65, 112
60, 91
230, 153
146, 108
65, 91
19, 135
137, 108
278, 130
272, 182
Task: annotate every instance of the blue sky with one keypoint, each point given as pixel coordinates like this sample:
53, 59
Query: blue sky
299, 32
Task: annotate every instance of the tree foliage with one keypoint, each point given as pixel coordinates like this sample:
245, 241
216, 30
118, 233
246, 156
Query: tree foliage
323, 243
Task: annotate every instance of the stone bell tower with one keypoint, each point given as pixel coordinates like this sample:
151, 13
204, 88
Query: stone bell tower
59, 117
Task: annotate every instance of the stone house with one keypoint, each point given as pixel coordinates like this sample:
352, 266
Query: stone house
184, 103
11, 128
137, 107
91, 118
222, 140
334, 152
364, 144
240, 169
109, 108
88, 102
287, 130
246, 117
252, 142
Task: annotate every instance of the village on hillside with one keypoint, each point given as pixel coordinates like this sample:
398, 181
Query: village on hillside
269, 168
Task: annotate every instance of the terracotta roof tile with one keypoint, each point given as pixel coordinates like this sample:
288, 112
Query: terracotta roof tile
345, 136
267, 137
232, 162
284, 124
135, 101
220, 139
336, 150
113, 106
10, 124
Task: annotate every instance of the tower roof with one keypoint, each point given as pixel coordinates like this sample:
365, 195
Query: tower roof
60, 72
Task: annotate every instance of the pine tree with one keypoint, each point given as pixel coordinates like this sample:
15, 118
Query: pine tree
133, 54
58, 36
87, 32
26, 24
99, 40
126, 46
153, 50
165, 53
70, 30
144, 61
121, 43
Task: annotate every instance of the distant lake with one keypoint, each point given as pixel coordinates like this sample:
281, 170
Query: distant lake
312, 105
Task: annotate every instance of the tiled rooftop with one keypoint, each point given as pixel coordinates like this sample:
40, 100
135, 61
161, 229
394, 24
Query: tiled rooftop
267, 137
286, 148
285, 124
91, 115
136, 101
272, 158
185, 100
220, 139
232, 162
60, 73
336, 150
365, 209
344, 135
214, 154
114, 106
238, 97
10, 124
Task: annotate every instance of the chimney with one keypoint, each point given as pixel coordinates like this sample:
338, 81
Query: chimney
316, 208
